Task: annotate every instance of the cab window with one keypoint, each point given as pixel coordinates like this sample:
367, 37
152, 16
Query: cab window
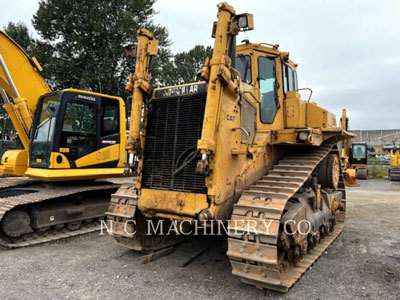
285, 78
289, 78
110, 117
80, 117
243, 65
45, 129
359, 151
268, 91
79, 129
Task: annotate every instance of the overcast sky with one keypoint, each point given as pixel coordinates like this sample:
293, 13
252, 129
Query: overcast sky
347, 50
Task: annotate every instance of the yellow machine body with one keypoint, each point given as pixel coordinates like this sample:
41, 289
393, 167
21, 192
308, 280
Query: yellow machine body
240, 146
394, 169
222, 135
353, 157
70, 138
14, 162
395, 158
104, 159
22, 87
358, 160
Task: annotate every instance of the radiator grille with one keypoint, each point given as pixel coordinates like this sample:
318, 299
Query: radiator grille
173, 127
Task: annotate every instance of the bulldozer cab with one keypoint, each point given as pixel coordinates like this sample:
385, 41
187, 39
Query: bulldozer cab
75, 129
358, 154
270, 75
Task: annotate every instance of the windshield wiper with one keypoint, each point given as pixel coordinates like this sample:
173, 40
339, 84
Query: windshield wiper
43, 123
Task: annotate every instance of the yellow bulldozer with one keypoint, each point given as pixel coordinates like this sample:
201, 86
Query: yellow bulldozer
240, 148
359, 160
354, 157
70, 138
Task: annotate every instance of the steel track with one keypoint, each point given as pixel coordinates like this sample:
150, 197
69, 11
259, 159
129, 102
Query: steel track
254, 254
42, 194
49, 236
10, 182
123, 210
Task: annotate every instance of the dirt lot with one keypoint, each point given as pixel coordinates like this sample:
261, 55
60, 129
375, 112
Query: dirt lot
363, 263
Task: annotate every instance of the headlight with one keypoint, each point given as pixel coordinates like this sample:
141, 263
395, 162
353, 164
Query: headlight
242, 22
245, 22
303, 136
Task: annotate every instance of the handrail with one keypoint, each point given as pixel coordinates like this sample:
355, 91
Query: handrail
303, 89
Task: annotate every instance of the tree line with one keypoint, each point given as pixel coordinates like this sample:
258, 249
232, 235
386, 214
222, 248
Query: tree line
80, 45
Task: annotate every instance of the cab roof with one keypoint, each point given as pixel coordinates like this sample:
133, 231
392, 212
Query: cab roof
269, 49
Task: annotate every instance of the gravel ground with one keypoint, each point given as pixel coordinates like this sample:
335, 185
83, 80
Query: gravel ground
363, 263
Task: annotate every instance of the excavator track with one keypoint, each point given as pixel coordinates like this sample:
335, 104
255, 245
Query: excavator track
10, 182
254, 254
394, 174
49, 236
129, 227
25, 192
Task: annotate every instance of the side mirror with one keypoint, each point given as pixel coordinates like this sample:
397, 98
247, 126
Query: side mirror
53, 108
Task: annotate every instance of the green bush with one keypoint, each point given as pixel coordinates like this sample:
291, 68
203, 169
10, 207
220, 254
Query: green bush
376, 169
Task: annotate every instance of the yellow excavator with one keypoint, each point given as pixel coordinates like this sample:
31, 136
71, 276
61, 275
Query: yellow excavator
394, 169
70, 138
239, 147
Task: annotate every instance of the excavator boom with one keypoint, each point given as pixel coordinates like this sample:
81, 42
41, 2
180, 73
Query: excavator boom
24, 71
21, 81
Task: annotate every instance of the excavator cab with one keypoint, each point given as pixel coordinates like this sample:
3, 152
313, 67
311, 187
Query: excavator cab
77, 134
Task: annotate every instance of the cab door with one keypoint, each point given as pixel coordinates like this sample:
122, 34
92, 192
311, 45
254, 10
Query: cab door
269, 76
79, 127
90, 131
110, 132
